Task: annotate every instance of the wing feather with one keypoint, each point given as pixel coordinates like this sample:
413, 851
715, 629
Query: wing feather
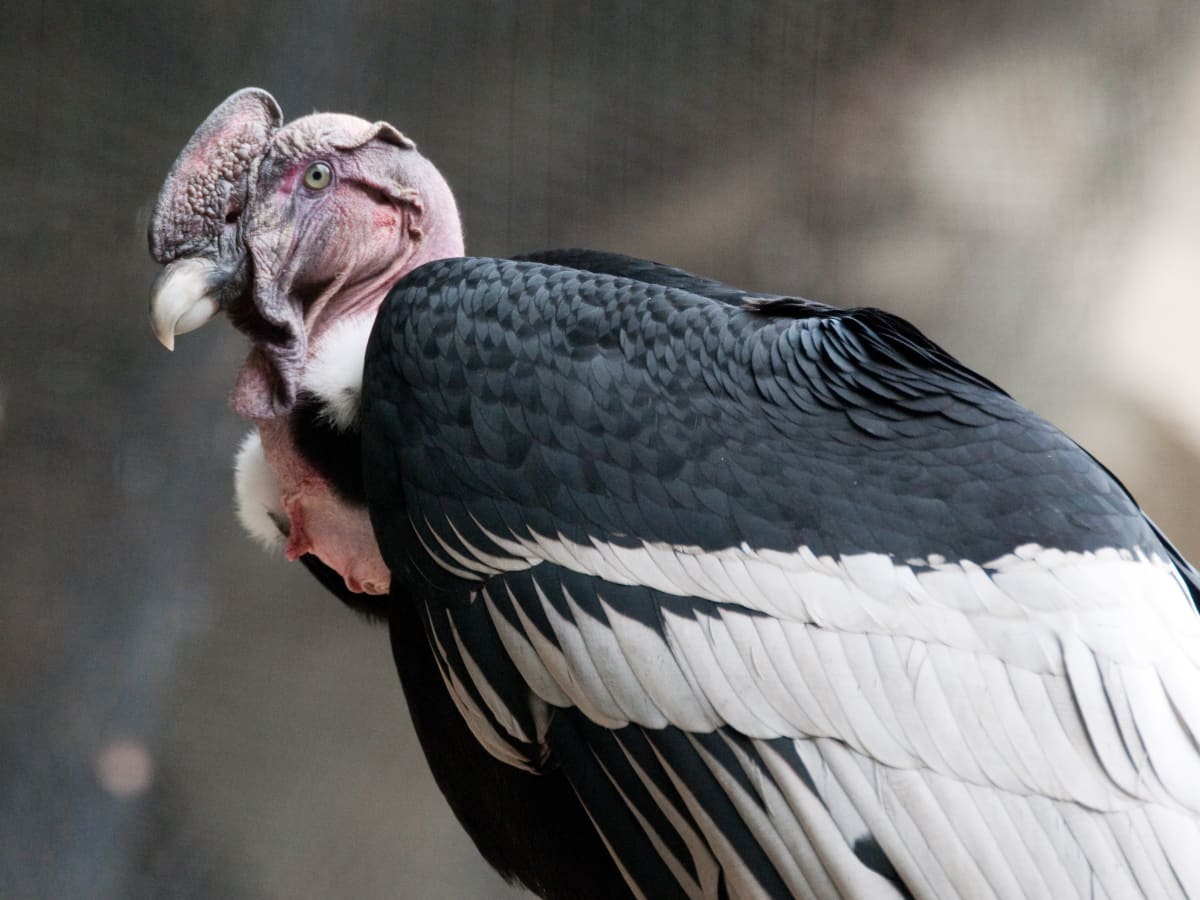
1037, 742
649, 772
1171, 838
665, 679
688, 638
671, 540
540, 661
612, 665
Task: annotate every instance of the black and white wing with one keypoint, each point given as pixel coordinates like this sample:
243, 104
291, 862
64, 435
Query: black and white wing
799, 605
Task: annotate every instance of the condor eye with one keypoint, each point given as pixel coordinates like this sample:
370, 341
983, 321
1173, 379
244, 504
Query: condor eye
318, 176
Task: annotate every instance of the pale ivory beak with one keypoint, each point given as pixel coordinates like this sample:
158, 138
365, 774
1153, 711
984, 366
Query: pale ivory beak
183, 297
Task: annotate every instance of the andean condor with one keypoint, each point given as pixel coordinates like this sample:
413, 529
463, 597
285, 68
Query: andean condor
693, 592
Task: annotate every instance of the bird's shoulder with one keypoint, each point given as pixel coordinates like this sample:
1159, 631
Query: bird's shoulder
603, 320
589, 399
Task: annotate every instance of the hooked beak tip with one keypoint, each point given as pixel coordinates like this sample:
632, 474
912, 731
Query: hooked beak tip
166, 338
183, 297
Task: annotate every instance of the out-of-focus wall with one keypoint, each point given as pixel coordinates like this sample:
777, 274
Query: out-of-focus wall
181, 716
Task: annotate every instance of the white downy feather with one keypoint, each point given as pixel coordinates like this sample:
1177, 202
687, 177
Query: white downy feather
257, 496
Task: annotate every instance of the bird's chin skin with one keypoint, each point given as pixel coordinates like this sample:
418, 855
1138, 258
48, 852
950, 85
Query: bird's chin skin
374, 588
336, 533
254, 390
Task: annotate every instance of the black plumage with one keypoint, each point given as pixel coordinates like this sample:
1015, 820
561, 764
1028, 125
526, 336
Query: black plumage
693, 591
835, 431
333, 451
526, 422
528, 827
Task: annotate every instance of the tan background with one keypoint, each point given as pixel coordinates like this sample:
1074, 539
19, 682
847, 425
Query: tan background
181, 716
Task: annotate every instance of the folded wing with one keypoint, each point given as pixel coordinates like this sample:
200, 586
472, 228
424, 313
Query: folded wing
798, 604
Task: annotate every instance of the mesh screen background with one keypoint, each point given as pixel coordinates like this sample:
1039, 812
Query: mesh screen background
181, 716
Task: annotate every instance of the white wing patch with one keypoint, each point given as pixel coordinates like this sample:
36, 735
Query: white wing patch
1018, 603
1072, 675
1032, 724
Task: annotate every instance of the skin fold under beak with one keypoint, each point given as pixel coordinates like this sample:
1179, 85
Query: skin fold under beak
184, 296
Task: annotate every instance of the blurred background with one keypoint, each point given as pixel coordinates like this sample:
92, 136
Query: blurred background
182, 716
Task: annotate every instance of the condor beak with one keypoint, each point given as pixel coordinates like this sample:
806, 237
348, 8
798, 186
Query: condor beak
184, 296
192, 230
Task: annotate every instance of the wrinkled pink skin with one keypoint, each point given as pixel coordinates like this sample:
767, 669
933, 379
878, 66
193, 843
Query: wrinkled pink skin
321, 523
387, 211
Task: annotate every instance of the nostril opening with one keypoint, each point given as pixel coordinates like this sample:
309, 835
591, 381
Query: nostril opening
232, 216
